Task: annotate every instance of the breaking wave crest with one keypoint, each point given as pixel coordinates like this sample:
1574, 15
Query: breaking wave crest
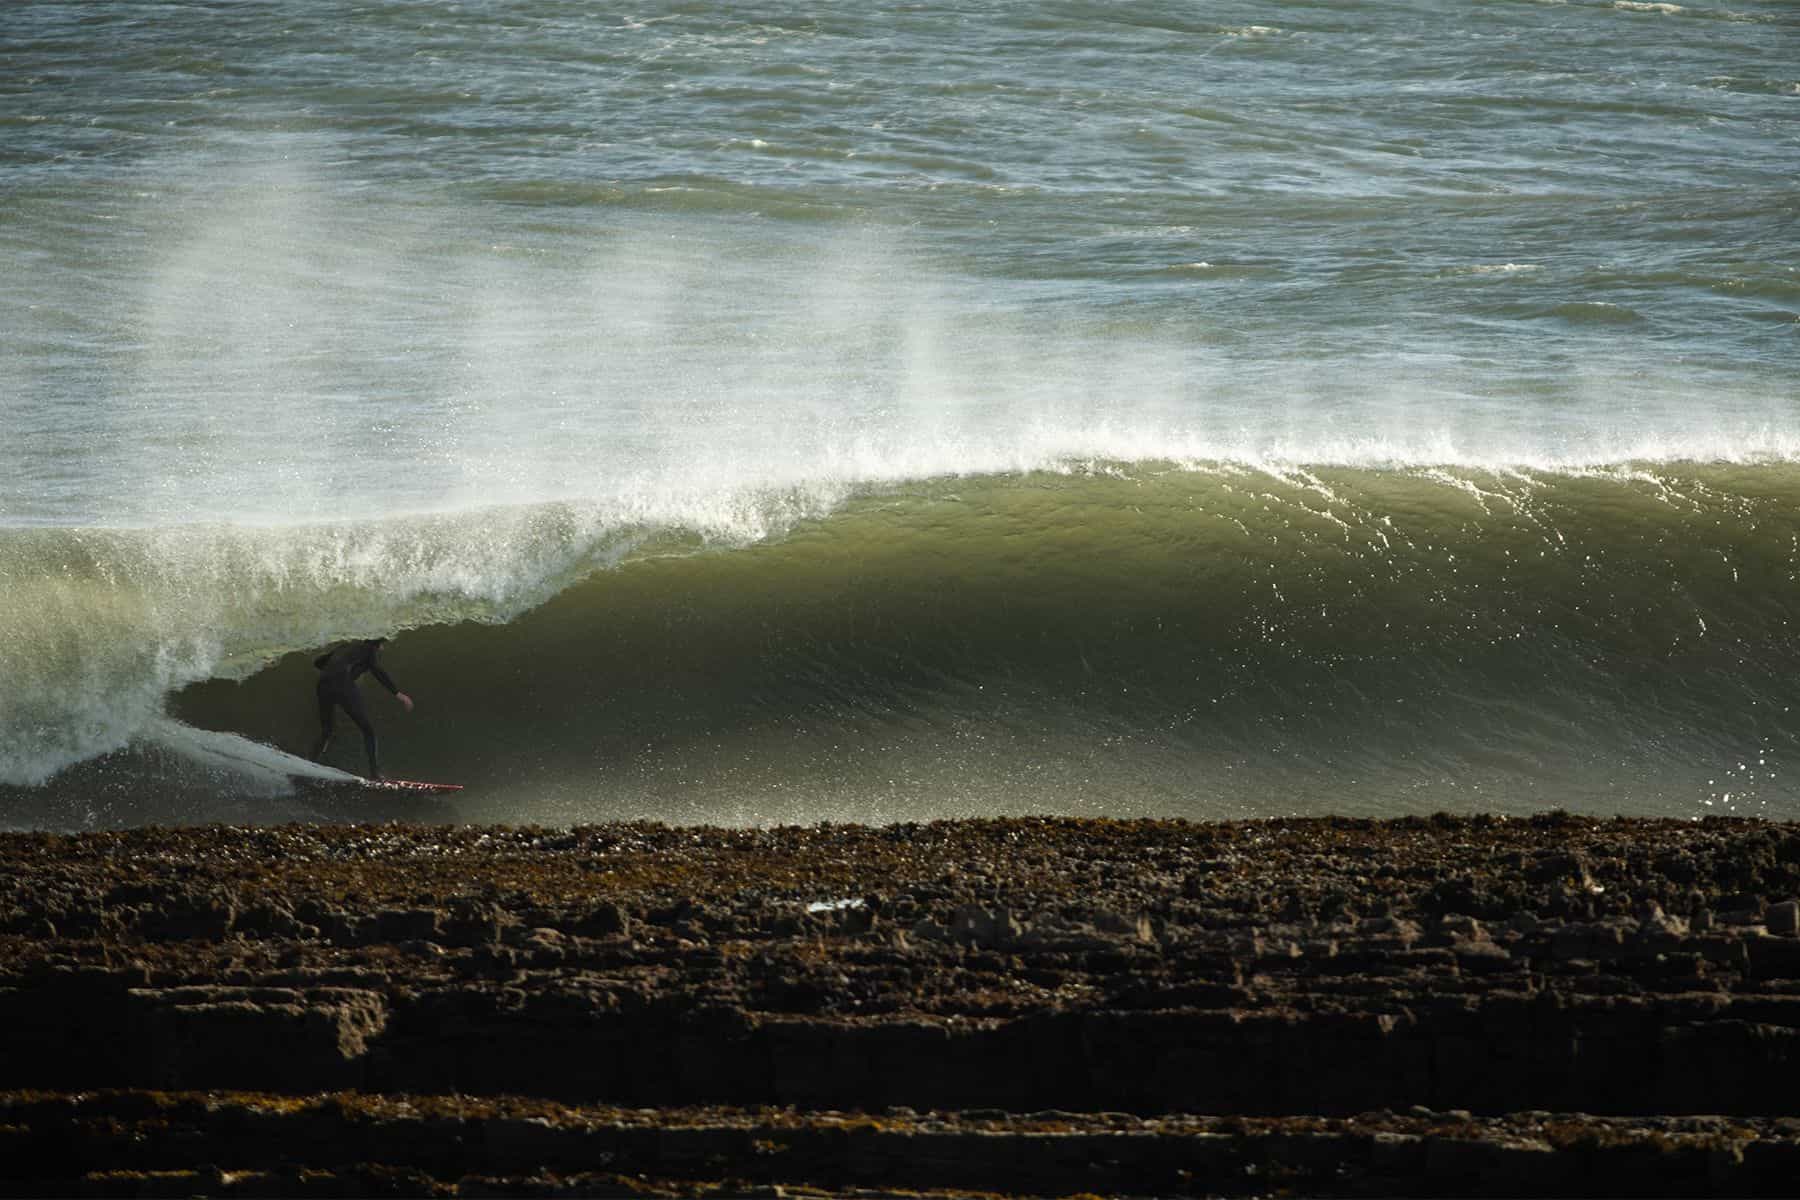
1202, 638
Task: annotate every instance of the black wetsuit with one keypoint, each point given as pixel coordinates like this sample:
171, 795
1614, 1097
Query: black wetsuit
341, 668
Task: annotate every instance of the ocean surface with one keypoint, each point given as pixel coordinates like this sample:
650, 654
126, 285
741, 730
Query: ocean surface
743, 413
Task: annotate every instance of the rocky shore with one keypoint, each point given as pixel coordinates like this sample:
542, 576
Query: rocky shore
1479, 1006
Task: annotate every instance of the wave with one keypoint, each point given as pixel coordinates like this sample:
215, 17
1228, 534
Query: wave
1200, 638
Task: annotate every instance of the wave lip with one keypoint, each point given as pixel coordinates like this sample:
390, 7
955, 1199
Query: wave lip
101, 625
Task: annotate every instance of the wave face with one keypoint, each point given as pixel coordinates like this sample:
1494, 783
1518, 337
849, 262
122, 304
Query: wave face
1200, 639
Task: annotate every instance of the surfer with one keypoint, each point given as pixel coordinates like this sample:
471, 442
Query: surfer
340, 669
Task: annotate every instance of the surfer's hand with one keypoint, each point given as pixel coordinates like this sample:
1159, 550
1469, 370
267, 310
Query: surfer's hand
405, 700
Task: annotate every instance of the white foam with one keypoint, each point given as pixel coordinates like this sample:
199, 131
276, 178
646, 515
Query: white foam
1497, 269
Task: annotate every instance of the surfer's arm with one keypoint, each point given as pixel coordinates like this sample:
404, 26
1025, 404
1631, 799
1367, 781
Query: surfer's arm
387, 681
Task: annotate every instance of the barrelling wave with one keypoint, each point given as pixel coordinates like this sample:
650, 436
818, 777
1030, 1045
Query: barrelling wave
1475, 637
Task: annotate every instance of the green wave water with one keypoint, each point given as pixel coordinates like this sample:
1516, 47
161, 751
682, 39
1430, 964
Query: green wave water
1199, 639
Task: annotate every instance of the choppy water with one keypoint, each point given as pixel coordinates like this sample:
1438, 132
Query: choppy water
1228, 409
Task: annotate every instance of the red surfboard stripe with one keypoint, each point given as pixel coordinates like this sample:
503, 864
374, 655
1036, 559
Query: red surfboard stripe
410, 785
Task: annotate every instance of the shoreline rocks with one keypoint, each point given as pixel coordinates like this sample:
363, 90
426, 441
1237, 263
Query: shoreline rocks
1314, 976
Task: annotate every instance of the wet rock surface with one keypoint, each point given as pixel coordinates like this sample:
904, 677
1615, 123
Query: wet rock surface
1551, 1005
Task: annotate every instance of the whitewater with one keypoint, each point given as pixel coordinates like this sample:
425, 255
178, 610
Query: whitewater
867, 416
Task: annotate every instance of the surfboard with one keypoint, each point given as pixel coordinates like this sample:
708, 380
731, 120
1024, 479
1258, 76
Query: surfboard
406, 785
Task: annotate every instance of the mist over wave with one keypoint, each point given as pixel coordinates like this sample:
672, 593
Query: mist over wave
290, 352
